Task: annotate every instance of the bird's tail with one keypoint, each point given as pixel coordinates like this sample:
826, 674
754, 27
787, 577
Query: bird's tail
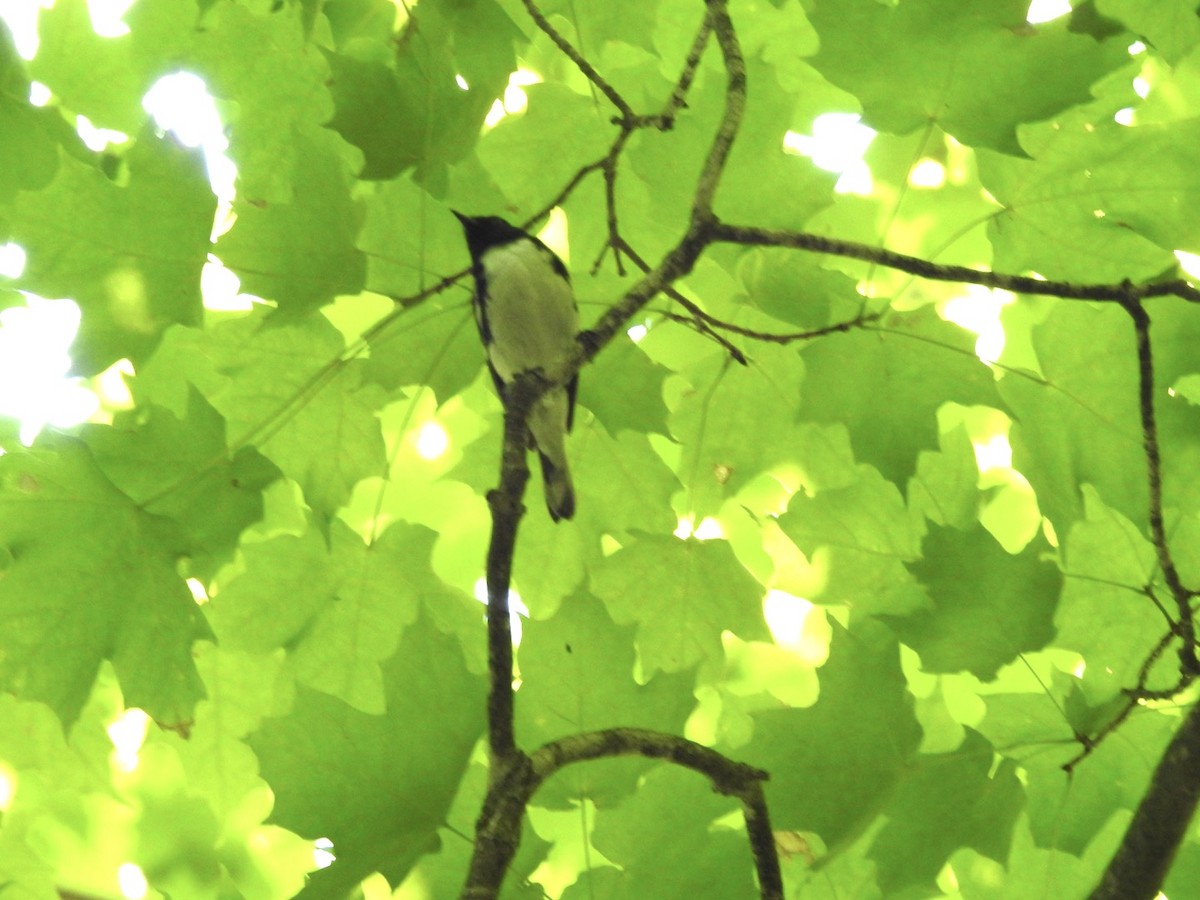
548, 424
560, 494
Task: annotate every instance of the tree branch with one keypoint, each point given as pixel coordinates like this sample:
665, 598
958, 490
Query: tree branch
1166, 562
1021, 284
588, 70
499, 827
1142, 861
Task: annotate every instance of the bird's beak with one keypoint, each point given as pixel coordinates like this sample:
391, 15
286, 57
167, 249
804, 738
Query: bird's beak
466, 220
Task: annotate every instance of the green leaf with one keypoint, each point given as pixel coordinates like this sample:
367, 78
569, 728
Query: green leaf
283, 386
413, 113
682, 595
29, 155
105, 78
272, 96
557, 118
1104, 612
377, 786
944, 488
989, 606
300, 253
1099, 202
665, 846
92, 577
858, 537
1080, 422
1170, 26
944, 802
577, 671
378, 594
134, 269
834, 764
728, 402
623, 387
179, 468
793, 288
886, 385
435, 344
285, 583
622, 483
905, 64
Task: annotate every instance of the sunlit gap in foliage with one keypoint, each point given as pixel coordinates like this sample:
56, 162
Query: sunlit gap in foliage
1046, 10
928, 174
516, 607
978, 310
709, 529
837, 144
797, 625
323, 856
514, 100
555, 235
1189, 262
198, 591
21, 18
132, 881
8, 786
432, 441
127, 733
36, 388
180, 103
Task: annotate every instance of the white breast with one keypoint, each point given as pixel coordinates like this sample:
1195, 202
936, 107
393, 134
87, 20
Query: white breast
530, 311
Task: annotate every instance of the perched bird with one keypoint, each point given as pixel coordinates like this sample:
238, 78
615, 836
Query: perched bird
528, 320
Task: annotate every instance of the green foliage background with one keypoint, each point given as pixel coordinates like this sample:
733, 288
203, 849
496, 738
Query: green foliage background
968, 627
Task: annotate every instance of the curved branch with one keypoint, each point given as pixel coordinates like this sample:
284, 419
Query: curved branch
499, 826
1021, 284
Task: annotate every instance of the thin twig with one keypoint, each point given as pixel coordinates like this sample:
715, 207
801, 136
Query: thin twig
678, 98
1158, 533
576, 57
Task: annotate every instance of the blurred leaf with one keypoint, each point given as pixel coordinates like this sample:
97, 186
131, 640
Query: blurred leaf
93, 577
901, 61
377, 786
682, 594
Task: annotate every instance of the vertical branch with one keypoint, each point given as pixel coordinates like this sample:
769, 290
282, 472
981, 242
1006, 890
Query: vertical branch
507, 509
1158, 533
731, 121
762, 842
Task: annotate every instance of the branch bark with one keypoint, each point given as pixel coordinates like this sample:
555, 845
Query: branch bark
1140, 866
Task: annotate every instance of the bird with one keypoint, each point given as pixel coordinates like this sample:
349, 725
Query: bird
528, 321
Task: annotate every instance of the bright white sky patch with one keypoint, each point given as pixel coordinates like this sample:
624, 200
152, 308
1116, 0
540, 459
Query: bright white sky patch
927, 173
96, 139
34, 386
323, 853
979, 311
132, 881
709, 529
180, 103
514, 100
1045, 10
127, 734
516, 607
432, 441
8, 786
837, 144
1189, 262
12, 260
